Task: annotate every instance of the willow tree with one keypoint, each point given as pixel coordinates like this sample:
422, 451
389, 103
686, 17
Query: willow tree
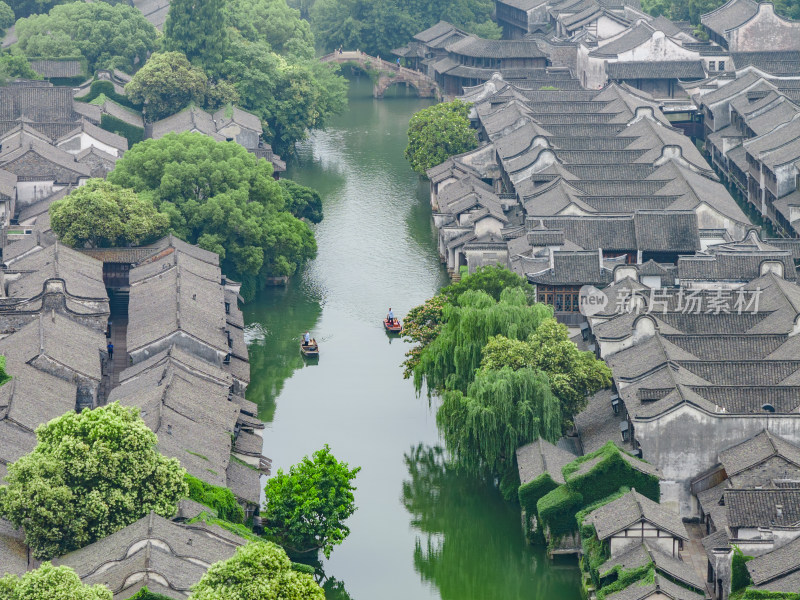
449, 362
501, 411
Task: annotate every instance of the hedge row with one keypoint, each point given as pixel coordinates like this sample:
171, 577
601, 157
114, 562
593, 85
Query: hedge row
557, 510
530, 493
106, 88
627, 577
145, 594
133, 134
763, 595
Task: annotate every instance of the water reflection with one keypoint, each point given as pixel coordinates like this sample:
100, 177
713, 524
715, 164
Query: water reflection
276, 323
471, 543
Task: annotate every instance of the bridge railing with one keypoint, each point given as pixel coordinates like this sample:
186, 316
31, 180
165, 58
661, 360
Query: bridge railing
362, 57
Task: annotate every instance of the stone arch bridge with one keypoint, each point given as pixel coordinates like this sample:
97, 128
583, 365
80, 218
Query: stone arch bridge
385, 74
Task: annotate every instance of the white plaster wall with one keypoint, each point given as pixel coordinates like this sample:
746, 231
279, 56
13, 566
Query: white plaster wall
687, 441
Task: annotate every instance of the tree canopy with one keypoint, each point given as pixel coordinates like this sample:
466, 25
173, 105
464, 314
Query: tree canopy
106, 35
24, 8
257, 571
378, 26
197, 29
273, 22
13, 66
167, 83
102, 215
7, 17
91, 474
222, 198
438, 132
303, 202
49, 582
306, 508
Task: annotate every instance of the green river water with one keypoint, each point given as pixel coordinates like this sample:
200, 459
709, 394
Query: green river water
421, 531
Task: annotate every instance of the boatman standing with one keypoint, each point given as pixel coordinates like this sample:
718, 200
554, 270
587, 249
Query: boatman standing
306, 338
390, 317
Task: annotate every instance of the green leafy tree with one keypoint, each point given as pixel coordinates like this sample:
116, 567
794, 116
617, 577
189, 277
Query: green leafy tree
48, 583
437, 133
257, 571
24, 8
306, 508
7, 17
107, 36
198, 30
273, 22
303, 202
290, 96
16, 66
450, 361
102, 215
167, 83
223, 198
490, 279
501, 411
91, 474
574, 375
378, 26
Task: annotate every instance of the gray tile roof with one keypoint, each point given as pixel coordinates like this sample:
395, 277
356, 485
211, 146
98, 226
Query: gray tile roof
189, 119
756, 450
630, 509
540, 457
480, 48
153, 549
776, 564
13, 551
82, 275
51, 68
98, 133
176, 293
191, 416
661, 587
774, 62
728, 16
752, 508
233, 114
647, 552
634, 37
658, 69
573, 268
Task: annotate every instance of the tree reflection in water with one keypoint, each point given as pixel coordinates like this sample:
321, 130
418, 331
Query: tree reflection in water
471, 544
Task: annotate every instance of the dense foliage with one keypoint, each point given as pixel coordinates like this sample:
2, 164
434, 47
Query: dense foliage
501, 411
438, 132
197, 29
145, 594
15, 66
561, 511
221, 500
222, 198
7, 17
267, 54
48, 583
258, 571
451, 360
306, 508
378, 26
303, 202
24, 8
91, 474
103, 215
574, 375
272, 22
168, 82
107, 36
740, 576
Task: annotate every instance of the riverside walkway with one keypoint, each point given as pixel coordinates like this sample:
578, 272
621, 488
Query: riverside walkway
388, 73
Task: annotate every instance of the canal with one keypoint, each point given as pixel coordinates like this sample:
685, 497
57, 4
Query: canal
421, 531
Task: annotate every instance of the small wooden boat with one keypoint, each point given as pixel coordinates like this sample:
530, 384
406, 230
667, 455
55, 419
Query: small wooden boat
395, 327
310, 350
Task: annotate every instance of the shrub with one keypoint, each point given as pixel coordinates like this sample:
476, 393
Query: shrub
557, 510
220, 499
530, 493
740, 576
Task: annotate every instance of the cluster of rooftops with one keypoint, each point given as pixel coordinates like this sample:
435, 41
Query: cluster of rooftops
590, 175
180, 358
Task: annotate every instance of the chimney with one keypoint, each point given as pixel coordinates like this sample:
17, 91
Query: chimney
779, 507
